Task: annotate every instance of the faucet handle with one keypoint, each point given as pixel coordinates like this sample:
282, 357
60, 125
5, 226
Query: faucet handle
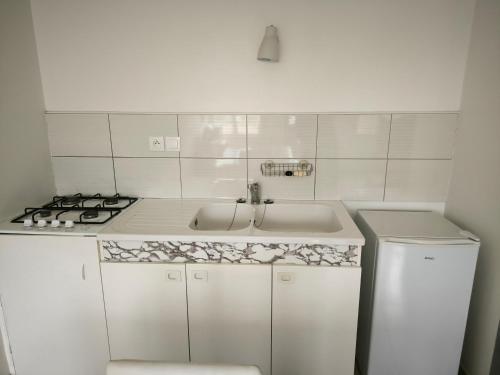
253, 186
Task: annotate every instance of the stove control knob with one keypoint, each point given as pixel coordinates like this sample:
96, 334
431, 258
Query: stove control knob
28, 223
69, 224
41, 223
55, 223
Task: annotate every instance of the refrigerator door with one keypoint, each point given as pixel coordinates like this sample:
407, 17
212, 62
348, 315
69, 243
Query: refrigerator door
421, 299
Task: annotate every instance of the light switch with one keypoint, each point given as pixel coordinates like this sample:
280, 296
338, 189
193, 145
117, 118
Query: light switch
156, 143
173, 143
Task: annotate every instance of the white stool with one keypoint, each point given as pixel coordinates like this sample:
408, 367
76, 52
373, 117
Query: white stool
167, 368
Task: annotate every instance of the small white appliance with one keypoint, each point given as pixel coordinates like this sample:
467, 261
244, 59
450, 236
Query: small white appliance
417, 275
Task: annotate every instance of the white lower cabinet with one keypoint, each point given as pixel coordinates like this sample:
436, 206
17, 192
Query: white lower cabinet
52, 315
51, 297
315, 311
230, 314
146, 311
227, 313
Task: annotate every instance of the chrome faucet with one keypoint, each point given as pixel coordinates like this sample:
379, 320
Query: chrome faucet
254, 193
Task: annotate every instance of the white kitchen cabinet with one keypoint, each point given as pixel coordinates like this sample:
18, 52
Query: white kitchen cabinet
315, 311
6, 362
146, 311
52, 304
230, 313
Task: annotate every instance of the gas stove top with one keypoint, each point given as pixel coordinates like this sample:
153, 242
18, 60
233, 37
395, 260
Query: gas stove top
70, 214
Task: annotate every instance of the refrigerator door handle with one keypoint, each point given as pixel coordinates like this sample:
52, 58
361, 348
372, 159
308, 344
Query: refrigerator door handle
428, 241
5, 340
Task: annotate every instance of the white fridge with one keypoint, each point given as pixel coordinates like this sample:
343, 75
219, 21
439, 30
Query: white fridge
417, 275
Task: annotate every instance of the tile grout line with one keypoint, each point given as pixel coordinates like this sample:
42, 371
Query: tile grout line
104, 302
272, 301
316, 157
246, 145
256, 158
112, 153
187, 313
387, 159
179, 155
79, 112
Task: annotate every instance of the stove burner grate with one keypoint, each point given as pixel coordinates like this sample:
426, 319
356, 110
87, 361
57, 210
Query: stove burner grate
87, 214
70, 201
44, 213
91, 214
111, 201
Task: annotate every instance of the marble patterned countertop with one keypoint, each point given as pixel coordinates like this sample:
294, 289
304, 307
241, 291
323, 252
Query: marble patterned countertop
222, 252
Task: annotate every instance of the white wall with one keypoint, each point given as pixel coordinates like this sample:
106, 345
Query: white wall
474, 197
25, 172
200, 56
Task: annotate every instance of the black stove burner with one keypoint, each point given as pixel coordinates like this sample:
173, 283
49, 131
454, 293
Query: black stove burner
111, 201
44, 213
91, 214
81, 207
71, 201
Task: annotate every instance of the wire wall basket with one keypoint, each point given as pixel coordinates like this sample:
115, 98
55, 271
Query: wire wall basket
301, 169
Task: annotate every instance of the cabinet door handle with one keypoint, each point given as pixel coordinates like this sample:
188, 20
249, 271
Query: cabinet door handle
84, 273
285, 277
174, 276
5, 340
200, 275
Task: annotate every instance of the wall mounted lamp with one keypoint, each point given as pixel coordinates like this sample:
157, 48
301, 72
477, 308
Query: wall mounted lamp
269, 50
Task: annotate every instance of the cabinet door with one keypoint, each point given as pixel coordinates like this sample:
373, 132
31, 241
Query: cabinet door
51, 295
230, 314
146, 311
315, 311
6, 362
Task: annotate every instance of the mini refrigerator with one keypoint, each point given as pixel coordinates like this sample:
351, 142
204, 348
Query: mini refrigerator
417, 275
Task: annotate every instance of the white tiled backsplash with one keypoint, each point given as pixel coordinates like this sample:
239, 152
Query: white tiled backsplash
367, 157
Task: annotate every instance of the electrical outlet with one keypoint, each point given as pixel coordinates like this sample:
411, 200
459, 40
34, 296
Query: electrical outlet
156, 143
173, 143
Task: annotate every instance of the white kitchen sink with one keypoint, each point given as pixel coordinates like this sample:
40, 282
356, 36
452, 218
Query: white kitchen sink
303, 218
325, 222
222, 217
310, 218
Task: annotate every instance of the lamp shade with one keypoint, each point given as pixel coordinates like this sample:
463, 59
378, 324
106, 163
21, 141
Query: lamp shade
269, 49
